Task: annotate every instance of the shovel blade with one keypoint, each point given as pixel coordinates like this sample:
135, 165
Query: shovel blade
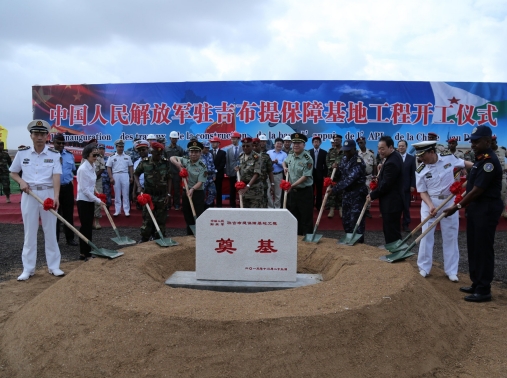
192, 228
123, 240
166, 242
110, 254
345, 239
353, 239
393, 245
312, 238
402, 247
398, 256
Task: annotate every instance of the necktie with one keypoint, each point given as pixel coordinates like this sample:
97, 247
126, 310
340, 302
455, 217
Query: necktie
214, 153
315, 162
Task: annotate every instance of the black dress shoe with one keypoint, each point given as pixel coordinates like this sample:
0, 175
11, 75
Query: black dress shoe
72, 243
467, 289
478, 297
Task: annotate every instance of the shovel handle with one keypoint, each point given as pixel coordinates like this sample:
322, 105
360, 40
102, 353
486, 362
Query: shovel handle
433, 225
323, 203
240, 196
152, 217
62, 219
286, 193
189, 198
110, 218
362, 213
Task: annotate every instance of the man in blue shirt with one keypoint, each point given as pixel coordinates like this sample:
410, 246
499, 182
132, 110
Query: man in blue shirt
277, 157
66, 209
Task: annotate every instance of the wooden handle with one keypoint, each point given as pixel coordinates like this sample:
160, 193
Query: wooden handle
240, 196
433, 225
189, 198
286, 193
324, 200
362, 213
108, 214
152, 217
62, 219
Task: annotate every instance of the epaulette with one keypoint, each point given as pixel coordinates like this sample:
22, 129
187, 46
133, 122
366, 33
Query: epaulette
421, 167
254, 155
307, 155
445, 153
202, 164
23, 148
53, 150
164, 158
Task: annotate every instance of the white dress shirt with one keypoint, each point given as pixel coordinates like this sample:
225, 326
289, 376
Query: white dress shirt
86, 178
38, 169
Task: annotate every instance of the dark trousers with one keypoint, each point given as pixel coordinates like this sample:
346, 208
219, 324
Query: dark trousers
301, 206
406, 208
218, 183
198, 201
176, 187
66, 210
232, 190
482, 219
318, 185
85, 211
391, 226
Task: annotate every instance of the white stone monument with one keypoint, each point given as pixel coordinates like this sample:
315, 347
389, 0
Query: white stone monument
246, 245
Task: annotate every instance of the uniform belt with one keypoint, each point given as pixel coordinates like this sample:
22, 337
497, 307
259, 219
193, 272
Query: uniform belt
277, 173
119, 172
40, 187
439, 197
69, 183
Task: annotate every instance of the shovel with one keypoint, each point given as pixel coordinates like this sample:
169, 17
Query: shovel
313, 238
96, 251
399, 245
163, 242
191, 226
351, 239
240, 196
403, 254
120, 240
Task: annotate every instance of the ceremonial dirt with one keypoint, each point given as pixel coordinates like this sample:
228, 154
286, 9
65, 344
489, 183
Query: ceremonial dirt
367, 318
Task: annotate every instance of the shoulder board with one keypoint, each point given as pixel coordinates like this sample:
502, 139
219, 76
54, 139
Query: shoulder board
241, 153
459, 151
255, 156
53, 150
306, 155
23, 148
202, 164
421, 167
446, 153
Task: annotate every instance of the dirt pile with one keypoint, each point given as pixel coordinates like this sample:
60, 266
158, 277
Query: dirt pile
117, 318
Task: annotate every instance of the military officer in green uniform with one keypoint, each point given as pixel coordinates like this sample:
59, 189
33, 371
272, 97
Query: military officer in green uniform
267, 171
299, 165
5, 163
250, 170
157, 183
333, 159
197, 173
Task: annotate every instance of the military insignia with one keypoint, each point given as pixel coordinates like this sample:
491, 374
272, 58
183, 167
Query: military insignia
428, 175
421, 167
488, 167
446, 153
194, 144
48, 160
474, 130
39, 123
296, 135
447, 165
346, 143
23, 148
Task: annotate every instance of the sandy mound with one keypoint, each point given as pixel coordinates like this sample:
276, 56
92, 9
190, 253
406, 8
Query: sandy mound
118, 318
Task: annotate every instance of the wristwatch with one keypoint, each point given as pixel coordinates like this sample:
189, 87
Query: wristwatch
272, 183
458, 205
247, 185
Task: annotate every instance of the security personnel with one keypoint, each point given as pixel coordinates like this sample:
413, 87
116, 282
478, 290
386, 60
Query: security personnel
501, 153
197, 173
157, 183
299, 165
351, 178
368, 157
267, 171
100, 167
250, 170
333, 159
120, 171
142, 147
5, 163
41, 174
66, 209
287, 144
434, 178
484, 209
174, 150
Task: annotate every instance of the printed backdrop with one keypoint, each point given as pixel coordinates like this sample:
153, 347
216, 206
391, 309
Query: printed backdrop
405, 110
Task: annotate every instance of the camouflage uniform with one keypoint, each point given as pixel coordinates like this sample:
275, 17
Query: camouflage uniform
106, 185
156, 176
100, 164
210, 191
368, 157
176, 179
334, 156
501, 153
5, 163
351, 175
248, 166
266, 169
469, 156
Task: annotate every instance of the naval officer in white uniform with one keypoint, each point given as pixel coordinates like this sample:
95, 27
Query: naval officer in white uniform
121, 172
434, 178
41, 168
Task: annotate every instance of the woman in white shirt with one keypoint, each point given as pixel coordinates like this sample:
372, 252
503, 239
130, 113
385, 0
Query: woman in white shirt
86, 198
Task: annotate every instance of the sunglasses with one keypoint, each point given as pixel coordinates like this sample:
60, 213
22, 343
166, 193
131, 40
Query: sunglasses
95, 155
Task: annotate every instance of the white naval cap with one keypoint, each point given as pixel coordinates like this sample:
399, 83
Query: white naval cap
119, 142
38, 126
287, 137
422, 147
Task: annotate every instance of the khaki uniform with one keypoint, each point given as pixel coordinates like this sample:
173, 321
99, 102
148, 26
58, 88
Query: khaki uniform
197, 172
440, 148
99, 165
501, 153
334, 200
248, 166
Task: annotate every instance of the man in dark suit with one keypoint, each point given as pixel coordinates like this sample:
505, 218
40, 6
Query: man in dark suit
219, 160
319, 169
389, 189
408, 181
232, 161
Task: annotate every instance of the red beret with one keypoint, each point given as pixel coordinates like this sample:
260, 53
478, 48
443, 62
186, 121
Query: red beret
157, 146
